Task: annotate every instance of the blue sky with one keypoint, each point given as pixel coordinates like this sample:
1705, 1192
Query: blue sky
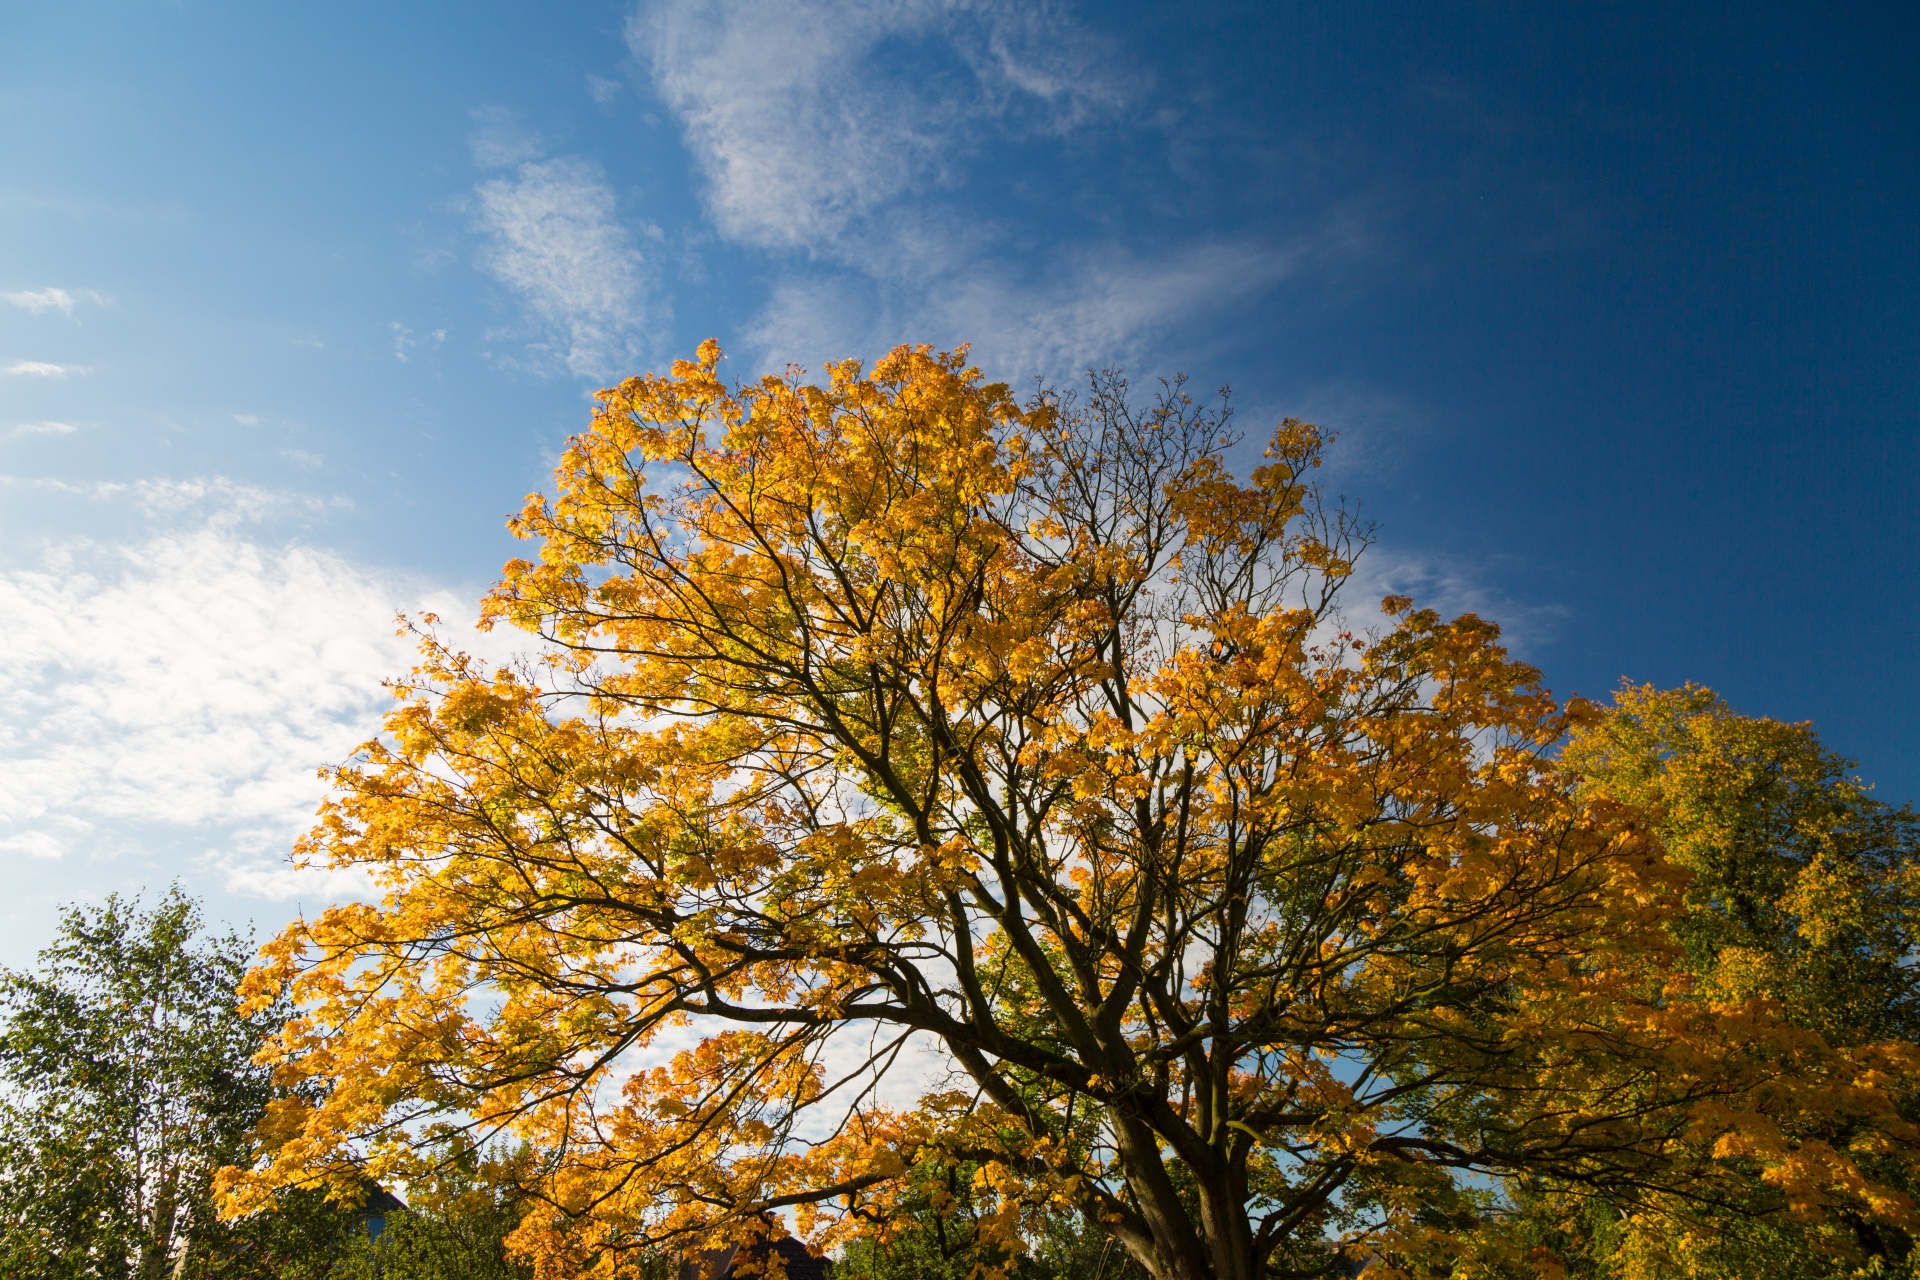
1616, 308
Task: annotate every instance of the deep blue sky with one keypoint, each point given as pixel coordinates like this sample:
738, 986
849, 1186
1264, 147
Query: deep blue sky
1616, 306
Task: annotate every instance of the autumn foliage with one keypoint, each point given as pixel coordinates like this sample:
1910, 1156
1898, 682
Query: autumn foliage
897, 712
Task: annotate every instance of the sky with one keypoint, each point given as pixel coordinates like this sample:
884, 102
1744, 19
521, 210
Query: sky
1615, 308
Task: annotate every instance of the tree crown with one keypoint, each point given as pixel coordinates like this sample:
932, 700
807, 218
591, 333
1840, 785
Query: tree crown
894, 711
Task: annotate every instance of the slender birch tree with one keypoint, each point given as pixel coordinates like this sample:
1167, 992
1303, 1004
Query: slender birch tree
126, 1080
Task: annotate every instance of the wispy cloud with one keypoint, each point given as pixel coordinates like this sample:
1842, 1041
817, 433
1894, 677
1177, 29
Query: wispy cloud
38, 300
501, 138
1105, 306
42, 369
190, 680
1102, 305
806, 117
603, 90
556, 241
848, 130
217, 501
404, 340
43, 429
61, 300
1375, 427
1451, 586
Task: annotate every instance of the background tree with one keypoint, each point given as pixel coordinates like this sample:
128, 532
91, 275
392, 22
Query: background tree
128, 1080
455, 1229
895, 710
934, 1229
1802, 887
1803, 892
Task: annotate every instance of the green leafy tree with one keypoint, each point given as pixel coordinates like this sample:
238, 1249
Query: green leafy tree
456, 1229
128, 1079
936, 1229
464, 1243
1804, 889
1804, 892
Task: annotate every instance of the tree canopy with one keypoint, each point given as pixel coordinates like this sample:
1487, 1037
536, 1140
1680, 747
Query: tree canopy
126, 1080
1802, 893
898, 711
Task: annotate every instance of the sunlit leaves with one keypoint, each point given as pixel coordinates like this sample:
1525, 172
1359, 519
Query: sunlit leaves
897, 709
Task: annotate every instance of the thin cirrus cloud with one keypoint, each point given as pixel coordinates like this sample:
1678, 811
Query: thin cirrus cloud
1102, 306
42, 300
556, 240
48, 428
805, 119
186, 683
42, 369
38, 300
843, 132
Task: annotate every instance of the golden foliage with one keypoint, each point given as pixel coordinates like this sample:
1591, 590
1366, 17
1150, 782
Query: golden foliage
1801, 902
893, 709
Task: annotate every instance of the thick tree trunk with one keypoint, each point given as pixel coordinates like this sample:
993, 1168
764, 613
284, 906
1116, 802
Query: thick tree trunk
1223, 1217
1179, 1252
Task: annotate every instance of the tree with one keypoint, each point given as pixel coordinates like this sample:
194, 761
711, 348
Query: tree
935, 1229
1803, 892
893, 710
456, 1231
1803, 889
128, 1080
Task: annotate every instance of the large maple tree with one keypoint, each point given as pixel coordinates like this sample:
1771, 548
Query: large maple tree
896, 710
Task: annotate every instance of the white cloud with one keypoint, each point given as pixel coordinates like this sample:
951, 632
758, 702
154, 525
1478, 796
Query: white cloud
844, 128
500, 138
808, 116
38, 300
1098, 309
61, 300
221, 502
44, 429
42, 369
188, 682
1104, 308
604, 91
1451, 587
556, 241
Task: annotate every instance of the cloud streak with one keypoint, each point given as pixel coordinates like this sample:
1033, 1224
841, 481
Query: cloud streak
39, 300
1105, 306
847, 131
42, 369
1101, 306
556, 241
807, 117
